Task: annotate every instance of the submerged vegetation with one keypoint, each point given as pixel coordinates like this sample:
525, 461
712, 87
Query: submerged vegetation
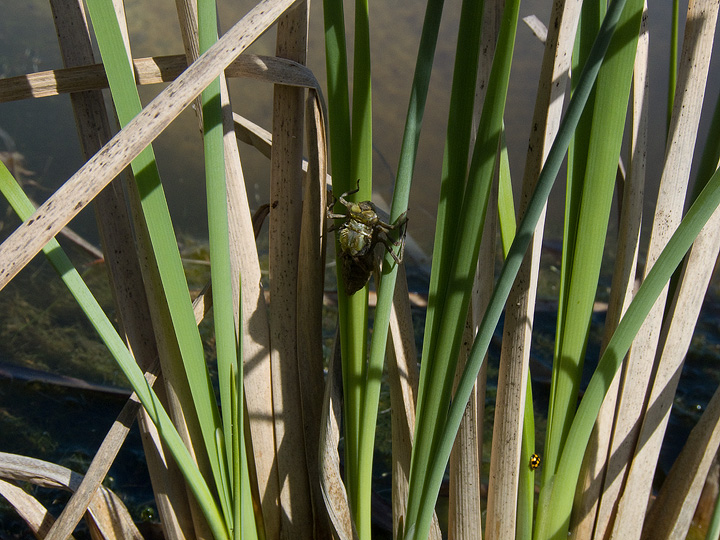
249, 443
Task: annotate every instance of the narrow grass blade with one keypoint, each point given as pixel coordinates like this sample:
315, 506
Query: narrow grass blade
588, 25
526, 482
236, 450
588, 227
160, 228
714, 526
506, 204
711, 152
435, 397
361, 123
220, 268
403, 377
622, 289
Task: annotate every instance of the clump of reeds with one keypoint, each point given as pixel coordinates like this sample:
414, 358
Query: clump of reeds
265, 462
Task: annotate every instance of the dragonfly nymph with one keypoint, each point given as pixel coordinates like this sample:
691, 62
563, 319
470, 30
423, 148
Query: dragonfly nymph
359, 232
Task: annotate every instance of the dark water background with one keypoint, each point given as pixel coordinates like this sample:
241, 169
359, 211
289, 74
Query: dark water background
44, 413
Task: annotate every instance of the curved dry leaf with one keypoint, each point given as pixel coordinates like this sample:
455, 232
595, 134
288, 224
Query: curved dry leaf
148, 70
28, 508
331, 484
106, 509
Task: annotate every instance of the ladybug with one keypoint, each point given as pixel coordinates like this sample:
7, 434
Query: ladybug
534, 462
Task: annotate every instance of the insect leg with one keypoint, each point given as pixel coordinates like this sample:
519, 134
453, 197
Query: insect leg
342, 197
334, 226
400, 221
382, 237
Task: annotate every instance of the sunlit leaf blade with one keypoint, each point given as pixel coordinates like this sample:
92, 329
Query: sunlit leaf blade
159, 225
220, 269
594, 197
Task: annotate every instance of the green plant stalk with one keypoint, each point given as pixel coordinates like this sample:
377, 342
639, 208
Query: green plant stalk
454, 168
506, 204
556, 523
225, 498
157, 217
219, 237
352, 311
588, 26
99, 320
526, 481
416, 528
241, 519
589, 228
401, 195
361, 169
247, 507
237, 451
362, 104
434, 396
251, 504
338, 94
244, 522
